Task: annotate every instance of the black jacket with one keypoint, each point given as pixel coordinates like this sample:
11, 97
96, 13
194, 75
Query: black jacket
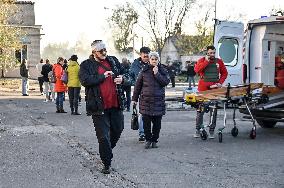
172, 71
24, 72
190, 70
91, 80
150, 89
46, 68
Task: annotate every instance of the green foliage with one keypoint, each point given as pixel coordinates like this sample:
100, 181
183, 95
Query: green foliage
197, 43
277, 11
122, 20
9, 36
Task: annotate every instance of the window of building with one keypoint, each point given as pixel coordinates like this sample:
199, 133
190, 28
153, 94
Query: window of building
22, 54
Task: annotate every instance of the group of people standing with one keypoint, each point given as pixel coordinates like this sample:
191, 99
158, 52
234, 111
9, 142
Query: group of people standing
58, 79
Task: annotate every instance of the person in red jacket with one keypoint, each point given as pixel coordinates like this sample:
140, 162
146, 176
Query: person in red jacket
213, 73
60, 87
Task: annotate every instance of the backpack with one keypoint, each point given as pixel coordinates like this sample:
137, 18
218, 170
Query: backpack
51, 76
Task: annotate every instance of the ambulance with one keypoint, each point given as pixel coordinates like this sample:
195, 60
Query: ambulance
255, 54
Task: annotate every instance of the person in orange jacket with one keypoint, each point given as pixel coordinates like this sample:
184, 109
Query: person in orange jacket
213, 73
60, 87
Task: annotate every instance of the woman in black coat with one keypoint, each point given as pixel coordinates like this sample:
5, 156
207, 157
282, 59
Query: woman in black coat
150, 90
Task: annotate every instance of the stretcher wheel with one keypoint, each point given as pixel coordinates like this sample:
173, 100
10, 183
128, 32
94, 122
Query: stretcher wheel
235, 132
203, 135
220, 136
252, 134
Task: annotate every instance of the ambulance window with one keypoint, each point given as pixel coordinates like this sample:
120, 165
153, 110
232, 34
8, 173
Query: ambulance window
228, 51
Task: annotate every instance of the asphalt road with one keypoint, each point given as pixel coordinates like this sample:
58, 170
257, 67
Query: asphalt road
40, 148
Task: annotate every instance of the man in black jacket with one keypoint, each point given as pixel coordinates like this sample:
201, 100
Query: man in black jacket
101, 75
190, 74
135, 68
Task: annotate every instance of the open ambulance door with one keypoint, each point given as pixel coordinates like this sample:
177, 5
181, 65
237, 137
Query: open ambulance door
228, 41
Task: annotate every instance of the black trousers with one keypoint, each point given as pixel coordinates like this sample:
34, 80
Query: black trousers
74, 93
109, 127
173, 81
152, 133
40, 81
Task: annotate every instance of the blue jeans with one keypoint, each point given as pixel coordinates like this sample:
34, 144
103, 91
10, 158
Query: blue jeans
141, 128
25, 83
191, 79
59, 99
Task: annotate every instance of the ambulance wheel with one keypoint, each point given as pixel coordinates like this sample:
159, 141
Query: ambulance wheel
220, 136
203, 135
252, 134
235, 132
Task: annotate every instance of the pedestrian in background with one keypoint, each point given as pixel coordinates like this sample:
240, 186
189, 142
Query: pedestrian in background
74, 86
150, 89
40, 76
190, 74
172, 73
24, 72
60, 87
125, 65
136, 67
46, 75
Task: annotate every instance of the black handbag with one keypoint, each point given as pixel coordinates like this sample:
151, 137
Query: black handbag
134, 119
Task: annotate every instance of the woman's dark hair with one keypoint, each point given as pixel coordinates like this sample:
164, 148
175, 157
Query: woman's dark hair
74, 58
60, 59
24, 61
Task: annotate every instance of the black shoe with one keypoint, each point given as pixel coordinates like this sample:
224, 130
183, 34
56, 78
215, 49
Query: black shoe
25, 95
62, 111
154, 145
106, 170
142, 138
148, 145
77, 113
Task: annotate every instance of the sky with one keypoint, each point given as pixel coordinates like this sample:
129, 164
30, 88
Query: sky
67, 20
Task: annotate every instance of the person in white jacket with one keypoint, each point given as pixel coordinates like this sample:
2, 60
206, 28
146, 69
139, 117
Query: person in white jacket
40, 76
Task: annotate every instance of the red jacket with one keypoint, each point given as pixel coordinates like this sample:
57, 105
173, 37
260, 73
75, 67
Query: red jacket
59, 85
199, 69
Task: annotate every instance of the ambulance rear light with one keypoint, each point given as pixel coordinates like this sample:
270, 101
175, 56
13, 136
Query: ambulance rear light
245, 73
280, 18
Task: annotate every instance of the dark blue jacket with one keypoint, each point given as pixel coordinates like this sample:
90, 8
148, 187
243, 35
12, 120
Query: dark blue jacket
135, 68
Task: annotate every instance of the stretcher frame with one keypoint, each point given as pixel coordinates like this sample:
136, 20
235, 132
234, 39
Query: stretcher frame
234, 95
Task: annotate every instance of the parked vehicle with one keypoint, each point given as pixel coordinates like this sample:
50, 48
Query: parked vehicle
255, 55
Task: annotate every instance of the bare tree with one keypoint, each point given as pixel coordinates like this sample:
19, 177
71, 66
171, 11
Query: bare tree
277, 11
165, 18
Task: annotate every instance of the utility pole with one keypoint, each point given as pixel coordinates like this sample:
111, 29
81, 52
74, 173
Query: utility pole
215, 10
215, 19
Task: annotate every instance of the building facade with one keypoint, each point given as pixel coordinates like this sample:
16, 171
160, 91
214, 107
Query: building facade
25, 19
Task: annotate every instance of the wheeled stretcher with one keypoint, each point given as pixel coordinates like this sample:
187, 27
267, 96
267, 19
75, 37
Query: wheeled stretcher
229, 96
